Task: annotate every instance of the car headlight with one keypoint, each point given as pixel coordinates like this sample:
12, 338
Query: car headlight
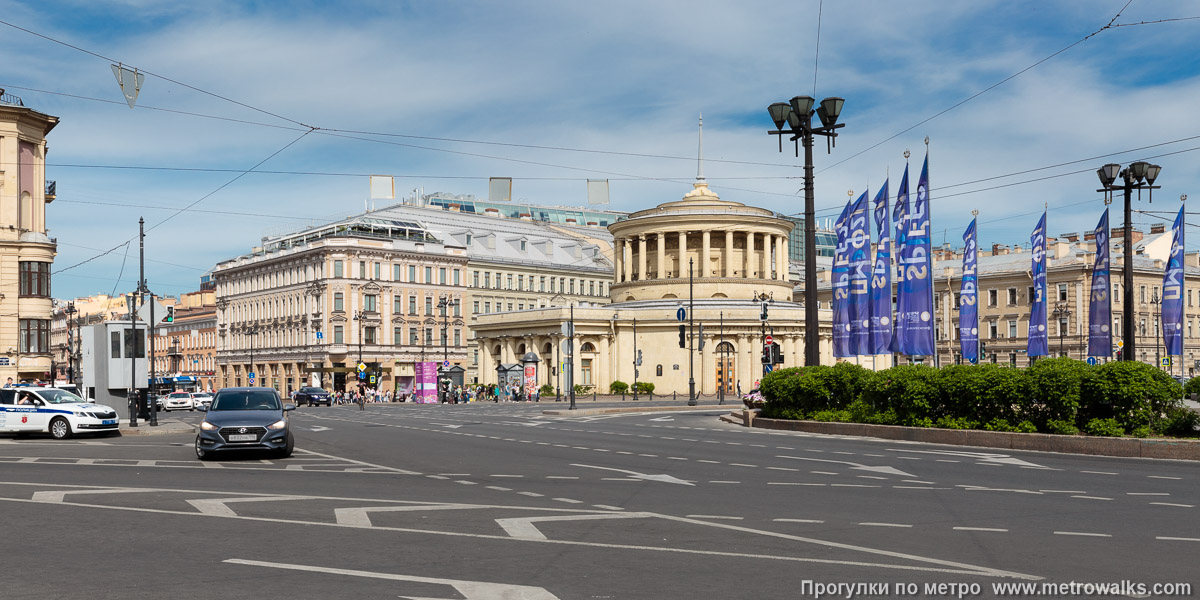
206, 426
280, 424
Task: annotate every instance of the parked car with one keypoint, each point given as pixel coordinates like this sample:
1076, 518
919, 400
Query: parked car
178, 401
313, 396
201, 398
57, 412
247, 418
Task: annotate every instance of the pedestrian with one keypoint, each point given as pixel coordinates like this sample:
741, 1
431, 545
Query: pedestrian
8, 383
739, 388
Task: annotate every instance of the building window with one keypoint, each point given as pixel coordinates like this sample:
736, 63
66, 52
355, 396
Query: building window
1012, 296
458, 308
542, 284
585, 371
992, 327
369, 303
1189, 298
520, 282
377, 271
1142, 327
412, 305
457, 338
338, 302
572, 285
35, 279
428, 274
508, 282
1012, 329
369, 335
412, 273
397, 302
475, 307
510, 306
487, 279
487, 307
442, 275
339, 334
591, 288
474, 278
428, 336
362, 269
1116, 292
1143, 294
523, 245
337, 268
520, 306
1032, 294
412, 336
35, 336
992, 297
1062, 292
475, 357
457, 279
428, 306
395, 272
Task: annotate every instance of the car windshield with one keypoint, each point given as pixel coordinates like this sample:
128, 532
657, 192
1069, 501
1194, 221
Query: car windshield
180, 395
312, 390
60, 397
202, 395
246, 400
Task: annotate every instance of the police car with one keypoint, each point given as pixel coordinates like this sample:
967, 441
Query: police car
54, 411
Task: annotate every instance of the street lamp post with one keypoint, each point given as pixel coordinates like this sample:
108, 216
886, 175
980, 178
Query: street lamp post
253, 333
763, 300
444, 304
1156, 302
691, 339
637, 360
361, 317
1114, 178
797, 115
1063, 313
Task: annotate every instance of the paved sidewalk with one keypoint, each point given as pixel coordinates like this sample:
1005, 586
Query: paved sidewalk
165, 426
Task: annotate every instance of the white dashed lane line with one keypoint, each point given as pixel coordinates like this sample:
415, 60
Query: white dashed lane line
798, 520
1173, 504
1163, 477
868, 524
993, 529
1083, 534
1091, 497
1100, 472
715, 517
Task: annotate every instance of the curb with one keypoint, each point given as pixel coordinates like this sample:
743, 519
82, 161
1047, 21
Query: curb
632, 409
160, 429
1041, 442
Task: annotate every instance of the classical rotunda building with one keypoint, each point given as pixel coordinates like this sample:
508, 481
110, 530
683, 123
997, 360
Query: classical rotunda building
710, 257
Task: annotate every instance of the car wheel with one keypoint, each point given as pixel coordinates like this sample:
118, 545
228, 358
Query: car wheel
286, 451
60, 429
201, 453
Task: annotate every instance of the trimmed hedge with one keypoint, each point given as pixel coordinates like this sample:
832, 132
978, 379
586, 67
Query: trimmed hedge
1058, 395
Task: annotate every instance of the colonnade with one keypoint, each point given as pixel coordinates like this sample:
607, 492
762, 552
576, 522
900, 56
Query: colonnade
763, 256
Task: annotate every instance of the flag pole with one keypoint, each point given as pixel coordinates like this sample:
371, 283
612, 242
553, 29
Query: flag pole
1182, 282
937, 351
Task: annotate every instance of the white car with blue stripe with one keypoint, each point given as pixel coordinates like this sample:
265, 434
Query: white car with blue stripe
60, 413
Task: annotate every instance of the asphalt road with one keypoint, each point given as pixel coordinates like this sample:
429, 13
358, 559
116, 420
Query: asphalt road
499, 501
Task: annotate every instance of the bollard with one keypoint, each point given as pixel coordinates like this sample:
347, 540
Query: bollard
593, 394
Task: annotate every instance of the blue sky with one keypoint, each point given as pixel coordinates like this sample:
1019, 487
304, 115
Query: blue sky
613, 77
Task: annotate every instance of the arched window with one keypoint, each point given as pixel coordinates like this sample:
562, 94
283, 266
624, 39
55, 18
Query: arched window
725, 347
587, 347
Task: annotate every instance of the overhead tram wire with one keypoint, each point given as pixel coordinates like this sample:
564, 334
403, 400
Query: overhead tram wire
981, 92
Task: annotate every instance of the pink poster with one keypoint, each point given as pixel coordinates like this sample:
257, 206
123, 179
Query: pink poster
426, 383
530, 379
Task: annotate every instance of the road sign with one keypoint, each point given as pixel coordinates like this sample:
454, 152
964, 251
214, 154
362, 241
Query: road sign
1166, 361
681, 314
1091, 360
251, 377
766, 368
320, 335
445, 364
1120, 344
568, 328
160, 312
767, 341
362, 367
372, 379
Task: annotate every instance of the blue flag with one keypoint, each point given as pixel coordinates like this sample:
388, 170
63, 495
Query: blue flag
858, 247
918, 277
1172, 294
1100, 302
1037, 314
881, 279
968, 310
900, 216
841, 288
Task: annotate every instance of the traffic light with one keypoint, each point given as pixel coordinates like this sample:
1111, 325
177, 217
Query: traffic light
763, 315
170, 314
700, 340
683, 336
1119, 353
776, 355
766, 356
639, 358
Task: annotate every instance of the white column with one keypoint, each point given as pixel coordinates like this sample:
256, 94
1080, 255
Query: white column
485, 362
743, 364
748, 271
779, 244
618, 259
662, 256
641, 258
706, 249
683, 254
602, 369
787, 260
728, 253
765, 258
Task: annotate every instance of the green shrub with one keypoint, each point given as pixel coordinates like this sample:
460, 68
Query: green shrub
998, 425
845, 381
618, 387
1105, 427
1181, 422
1054, 387
1192, 387
1132, 393
805, 389
546, 390
644, 387
1061, 427
583, 389
831, 416
956, 423
1026, 427
911, 392
1141, 432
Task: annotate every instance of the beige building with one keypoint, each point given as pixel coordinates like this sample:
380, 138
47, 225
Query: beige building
26, 253
185, 354
71, 315
1005, 289
735, 253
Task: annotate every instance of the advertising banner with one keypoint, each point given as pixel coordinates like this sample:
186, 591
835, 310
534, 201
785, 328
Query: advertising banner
968, 296
530, 382
426, 383
900, 216
1172, 293
858, 249
1037, 314
1100, 301
841, 288
918, 276
881, 279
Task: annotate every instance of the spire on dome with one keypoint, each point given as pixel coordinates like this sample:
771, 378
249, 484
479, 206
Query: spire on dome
700, 188
700, 153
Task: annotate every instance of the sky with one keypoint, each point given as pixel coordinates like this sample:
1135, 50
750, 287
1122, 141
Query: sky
1021, 102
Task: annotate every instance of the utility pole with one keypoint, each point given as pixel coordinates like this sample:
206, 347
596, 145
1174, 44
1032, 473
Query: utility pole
143, 289
571, 357
691, 339
637, 360
131, 347
723, 368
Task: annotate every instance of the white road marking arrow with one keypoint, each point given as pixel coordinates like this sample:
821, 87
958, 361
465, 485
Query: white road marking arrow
635, 475
663, 419
318, 428
523, 527
854, 465
988, 457
469, 590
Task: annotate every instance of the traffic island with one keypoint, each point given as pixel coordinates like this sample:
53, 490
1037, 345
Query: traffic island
1178, 449
164, 427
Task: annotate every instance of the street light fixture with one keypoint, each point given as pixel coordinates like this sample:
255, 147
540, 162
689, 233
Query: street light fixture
1156, 302
1113, 178
360, 316
1062, 312
797, 115
444, 304
763, 300
252, 331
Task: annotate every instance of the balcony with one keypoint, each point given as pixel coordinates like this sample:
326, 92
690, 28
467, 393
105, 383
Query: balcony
51, 188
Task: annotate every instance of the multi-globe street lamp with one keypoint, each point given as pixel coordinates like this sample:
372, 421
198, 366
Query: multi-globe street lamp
797, 116
444, 304
1062, 312
1137, 176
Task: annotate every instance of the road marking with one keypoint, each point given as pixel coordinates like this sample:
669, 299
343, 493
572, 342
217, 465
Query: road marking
782, 469
465, 482
711, 462
1173, 504
469, 590
1063, 491
509, 476
361, 516
607, 507
532, 494
870, 477
676, 458
568, 500
823, 473
1091, 497
523, 528
1162, 477
918, 487
1176, 539
790, 483
983, 457
917, 481
560, 477
720, 481
1100, 472
853, 465
1146, 494
59, 496
1079, 533
217, 506
715, 517
946, 460
498, 488
981, 529
664, 478
743, 465
884, 525
858, 485
798, 520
